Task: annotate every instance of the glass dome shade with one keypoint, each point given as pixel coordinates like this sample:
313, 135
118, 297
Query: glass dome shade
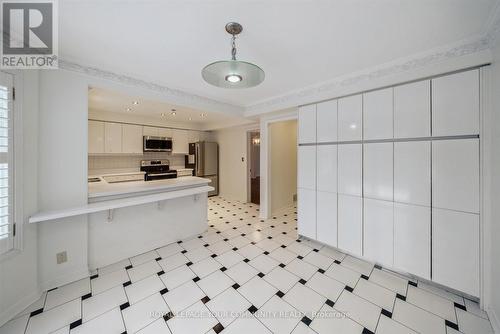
233, 74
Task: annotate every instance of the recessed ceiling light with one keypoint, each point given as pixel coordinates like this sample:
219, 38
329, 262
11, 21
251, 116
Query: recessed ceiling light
190, 118
135, 102
129, 109
203, 115
174, 113
162, 114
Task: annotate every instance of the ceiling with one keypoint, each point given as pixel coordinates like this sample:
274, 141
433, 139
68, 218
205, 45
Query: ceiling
298, 43
116, 102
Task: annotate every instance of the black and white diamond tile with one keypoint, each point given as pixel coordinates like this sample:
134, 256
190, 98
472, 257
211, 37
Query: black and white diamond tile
248, 275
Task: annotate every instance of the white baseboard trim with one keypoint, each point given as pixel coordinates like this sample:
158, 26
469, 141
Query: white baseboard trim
494, 319
19, 306
72, 276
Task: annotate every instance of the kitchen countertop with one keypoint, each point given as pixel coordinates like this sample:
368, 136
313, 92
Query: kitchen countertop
135, 188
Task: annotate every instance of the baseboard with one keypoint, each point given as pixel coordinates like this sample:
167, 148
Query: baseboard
73, 276
19, 306
494, 319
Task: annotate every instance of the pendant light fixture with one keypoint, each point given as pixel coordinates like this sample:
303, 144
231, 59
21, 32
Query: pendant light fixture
233, 73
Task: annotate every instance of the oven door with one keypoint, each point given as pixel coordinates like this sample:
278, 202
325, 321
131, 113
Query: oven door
157, 144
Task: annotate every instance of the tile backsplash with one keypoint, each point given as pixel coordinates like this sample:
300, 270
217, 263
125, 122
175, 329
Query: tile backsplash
109, 164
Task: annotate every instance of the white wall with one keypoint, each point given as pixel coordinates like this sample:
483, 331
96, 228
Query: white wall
233, 162
19, 279
283, 163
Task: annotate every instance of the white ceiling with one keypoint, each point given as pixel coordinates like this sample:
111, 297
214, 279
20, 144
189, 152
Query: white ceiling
297, 43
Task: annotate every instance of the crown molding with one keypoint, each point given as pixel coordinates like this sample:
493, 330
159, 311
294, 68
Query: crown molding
174, 95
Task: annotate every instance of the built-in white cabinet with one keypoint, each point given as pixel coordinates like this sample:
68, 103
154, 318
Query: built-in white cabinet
412, 172
112, 137
455, 104
326, 170
326, 121
180, 142
412, 110
455, 250
412, 239
350, 118
165, 132
307, 124
132, 139
350, 169
96, 137
350, 224
378, 231
194, 136
306, 212
306, 167
378, 171
455, 174
378, 114
326, 217
150, 131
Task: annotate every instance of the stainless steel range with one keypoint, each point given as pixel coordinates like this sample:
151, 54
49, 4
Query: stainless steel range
157, 170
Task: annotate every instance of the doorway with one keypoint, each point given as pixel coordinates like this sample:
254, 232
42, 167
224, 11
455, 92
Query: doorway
253, 138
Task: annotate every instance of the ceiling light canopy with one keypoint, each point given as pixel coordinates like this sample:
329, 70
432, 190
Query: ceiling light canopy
233, 73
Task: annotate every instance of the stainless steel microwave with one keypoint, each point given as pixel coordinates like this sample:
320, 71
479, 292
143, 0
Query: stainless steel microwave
157, 144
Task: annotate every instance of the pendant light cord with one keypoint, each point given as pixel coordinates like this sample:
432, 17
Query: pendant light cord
233, 47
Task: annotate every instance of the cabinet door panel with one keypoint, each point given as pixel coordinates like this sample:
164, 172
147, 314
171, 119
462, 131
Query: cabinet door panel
326, 220
378, 171
455, 174
412, 239
306, 214
412, 110
455, 250
350, 123
349, 169
326, 121
306, 169
455, 104
378, 232
307, 124
180, 142
350, 221
112, 138
132, 139
412, 173
378, 114
326, 158
165, 132
96, 137
150, 131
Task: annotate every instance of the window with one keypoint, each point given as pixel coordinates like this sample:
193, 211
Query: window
7, 230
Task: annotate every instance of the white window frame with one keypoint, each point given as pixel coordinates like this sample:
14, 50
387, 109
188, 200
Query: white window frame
18, 213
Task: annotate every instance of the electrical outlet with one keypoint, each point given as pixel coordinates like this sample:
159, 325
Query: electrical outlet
61, 257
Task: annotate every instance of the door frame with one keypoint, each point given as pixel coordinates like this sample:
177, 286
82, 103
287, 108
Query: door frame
249, 161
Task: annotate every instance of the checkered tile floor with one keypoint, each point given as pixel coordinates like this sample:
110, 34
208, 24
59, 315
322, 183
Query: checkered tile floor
245, 275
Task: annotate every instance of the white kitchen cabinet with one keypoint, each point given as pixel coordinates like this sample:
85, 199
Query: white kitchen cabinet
350, 115
412, 110
180, 142
455, 104
326, 218
378, 114
350, 169
455, 250
150, 131
455, 174
412, 239
96, 137
326, 167
412, 172
165, 132
378, 231
350, 224
326, 121
378, 171
307, 124
132, 139
306, 214
112, 137
306, 167
194, 136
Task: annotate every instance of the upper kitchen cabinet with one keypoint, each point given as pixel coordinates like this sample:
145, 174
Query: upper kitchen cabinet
412, 110
326, 121
378, 114
96, 137
307, 124
350, 115
455, 174
194, 136
378, 171
150, 131
112, 138
180, 141
455, 104
132, 138
165, 132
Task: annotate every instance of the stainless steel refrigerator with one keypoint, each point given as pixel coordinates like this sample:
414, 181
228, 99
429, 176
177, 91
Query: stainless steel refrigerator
204, 159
